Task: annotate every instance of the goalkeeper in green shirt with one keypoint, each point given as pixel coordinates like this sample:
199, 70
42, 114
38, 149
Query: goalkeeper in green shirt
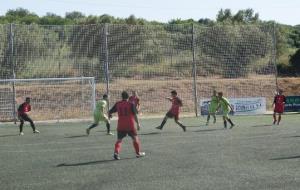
99, 115
226, 108
212, 109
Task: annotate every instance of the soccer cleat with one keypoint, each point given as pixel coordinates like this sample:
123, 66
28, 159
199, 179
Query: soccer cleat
159, 127
140, 154
116, 156
231, 126
184, 128
274, 122
110, 133
36, 131
215, 121
21, 134
206, 124
87, 131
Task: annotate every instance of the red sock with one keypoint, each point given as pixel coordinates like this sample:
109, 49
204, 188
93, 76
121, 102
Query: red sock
118, 146
136, 145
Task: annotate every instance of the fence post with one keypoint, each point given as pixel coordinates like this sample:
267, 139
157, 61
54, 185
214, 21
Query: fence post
106, 64
274, 54
12, 64
194, 71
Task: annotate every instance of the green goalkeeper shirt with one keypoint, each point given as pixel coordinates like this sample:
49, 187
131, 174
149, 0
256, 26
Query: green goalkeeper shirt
100, 106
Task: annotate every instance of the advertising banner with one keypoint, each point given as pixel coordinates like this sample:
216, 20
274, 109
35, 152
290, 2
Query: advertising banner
292, 104
241, 106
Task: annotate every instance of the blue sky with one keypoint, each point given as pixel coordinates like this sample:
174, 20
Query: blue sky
285, 12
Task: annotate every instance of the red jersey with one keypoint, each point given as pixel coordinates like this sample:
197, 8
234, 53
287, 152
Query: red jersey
23, 108
126, 112
176, 104
134, 100
279, 101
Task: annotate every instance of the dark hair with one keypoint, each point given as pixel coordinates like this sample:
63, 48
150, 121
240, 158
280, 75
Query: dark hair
27, 98
220, 93
174, 92
104, 96
125, 95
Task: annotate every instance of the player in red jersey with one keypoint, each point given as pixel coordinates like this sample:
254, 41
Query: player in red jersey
127, 115
135, 100
23, 116
174, 111
278, 104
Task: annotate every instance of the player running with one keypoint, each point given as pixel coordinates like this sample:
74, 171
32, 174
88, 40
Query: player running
212, 109
99, 115
127, 115
23, 109
226, 108
135, 100
278, 104
174, 111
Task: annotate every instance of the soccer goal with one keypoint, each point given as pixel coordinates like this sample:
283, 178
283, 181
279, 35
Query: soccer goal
51, 98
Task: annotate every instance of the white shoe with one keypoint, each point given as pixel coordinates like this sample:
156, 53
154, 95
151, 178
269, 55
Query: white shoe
36, 131
110, 133
21, 134
141, 154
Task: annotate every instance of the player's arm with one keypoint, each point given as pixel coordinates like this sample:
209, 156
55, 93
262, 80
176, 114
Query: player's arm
168, 98
112, 110
136, 119
180, 102
274, 101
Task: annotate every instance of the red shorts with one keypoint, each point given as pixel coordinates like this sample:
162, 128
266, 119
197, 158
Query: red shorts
171, 115
279, 108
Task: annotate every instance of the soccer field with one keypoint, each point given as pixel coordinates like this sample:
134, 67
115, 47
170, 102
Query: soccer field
253, 155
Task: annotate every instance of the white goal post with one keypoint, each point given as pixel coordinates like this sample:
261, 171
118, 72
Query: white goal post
51, 98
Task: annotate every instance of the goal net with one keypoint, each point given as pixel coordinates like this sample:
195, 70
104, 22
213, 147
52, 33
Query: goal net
51, 98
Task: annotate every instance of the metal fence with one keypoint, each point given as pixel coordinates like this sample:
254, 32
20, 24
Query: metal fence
151, 59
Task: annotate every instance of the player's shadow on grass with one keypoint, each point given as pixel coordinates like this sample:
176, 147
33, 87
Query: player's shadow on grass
265, 125
152, 133
90, 163
76, 136
286, 158
9, 135
208, 130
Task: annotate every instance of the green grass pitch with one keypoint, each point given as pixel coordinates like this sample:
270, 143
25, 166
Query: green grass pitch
253, 155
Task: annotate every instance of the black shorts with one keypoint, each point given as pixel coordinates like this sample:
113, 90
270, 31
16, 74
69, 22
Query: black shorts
122, 134
169, 114
24, 117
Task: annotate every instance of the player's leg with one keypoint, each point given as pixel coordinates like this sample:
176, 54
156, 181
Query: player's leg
208, 118
224, 121
168, 115
231, 123
274, 118
27, 118
136, 144
21, 125
279, 118
214, 116
95, 124
176, 118
106, 120
118, 144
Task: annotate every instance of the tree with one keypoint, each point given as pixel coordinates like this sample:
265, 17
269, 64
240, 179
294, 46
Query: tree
74, 15
295, 61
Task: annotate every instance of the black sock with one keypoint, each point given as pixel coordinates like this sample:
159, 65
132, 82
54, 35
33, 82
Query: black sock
21, 126
92, 126
108, 127
163, 123
229, 120
225, 124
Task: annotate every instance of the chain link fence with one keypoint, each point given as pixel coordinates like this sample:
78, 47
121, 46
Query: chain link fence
150, 59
